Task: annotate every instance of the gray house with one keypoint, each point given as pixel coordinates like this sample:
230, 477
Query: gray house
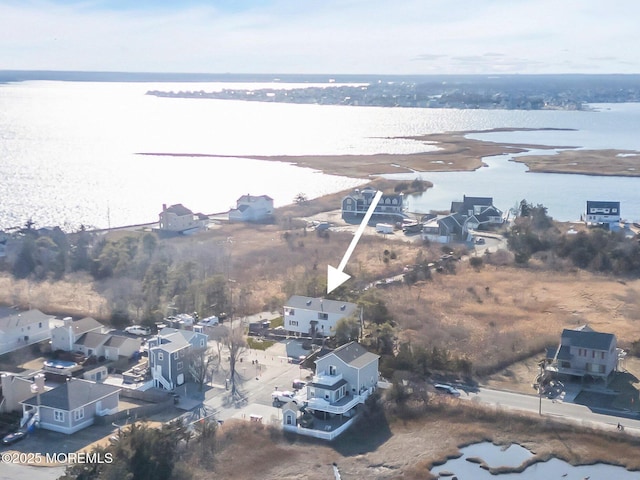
584, 352
344, 379
356, 204
19, 329
169, 353
71, 406
603, 213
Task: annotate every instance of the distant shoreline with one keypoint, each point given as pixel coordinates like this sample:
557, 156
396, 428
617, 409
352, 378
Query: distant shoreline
457, 153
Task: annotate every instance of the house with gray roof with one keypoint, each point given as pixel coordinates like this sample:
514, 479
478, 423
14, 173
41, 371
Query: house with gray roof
106, 345
169, 355
344, 379
252, 208
21, 328
72, 406
390, 207
66, 335
603, 213
315, 316
179, 219
585, 353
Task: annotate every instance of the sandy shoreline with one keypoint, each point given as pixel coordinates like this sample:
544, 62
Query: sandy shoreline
456, 152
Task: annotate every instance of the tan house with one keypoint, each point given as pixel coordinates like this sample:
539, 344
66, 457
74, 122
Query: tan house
179, 219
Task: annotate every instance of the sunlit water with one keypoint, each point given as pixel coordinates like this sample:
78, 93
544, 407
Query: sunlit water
495, 456
69, 150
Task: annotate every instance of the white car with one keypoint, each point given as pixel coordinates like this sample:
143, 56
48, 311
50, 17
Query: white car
447, 389
138, 330
209, 321
283, 396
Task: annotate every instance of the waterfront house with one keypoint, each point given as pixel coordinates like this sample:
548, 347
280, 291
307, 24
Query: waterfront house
344, 379
603, 214
169, 355
315, 316
66, 335
479, 213
71, 406
252, 208
21, 328
390, 207
585, 353
179, 219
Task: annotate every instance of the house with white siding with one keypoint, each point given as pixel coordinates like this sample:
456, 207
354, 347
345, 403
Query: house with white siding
66, 335
21, 328
252, 208
602, 213
315, 316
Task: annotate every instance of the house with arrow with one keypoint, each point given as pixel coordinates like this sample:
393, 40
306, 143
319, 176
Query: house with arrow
315, 317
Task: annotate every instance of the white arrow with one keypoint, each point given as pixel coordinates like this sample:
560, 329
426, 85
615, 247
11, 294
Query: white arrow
336, 276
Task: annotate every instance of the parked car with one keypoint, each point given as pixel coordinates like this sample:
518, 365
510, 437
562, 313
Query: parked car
14, 437
298, 384
447, 389
138, 330
209, 321
283, 397
479, 241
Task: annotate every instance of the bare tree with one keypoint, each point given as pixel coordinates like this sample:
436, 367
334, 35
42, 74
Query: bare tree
201, 364
237, 346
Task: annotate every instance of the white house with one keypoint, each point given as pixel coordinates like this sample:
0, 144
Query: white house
179, 219
315, 316
344, 379
65, 336
19, 329
106, 345
603, 213
251, 208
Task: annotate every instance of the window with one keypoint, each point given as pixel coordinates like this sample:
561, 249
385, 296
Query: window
333, 370
202, 342
293, 323
58, 415
289, 311
181, 353
601, 355
323, 316
160, 356
179, 366
175, 355
78, 414
40, 325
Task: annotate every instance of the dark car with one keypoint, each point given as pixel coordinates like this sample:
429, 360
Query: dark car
14, 437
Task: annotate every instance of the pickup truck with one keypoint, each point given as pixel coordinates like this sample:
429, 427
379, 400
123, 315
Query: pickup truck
283, 396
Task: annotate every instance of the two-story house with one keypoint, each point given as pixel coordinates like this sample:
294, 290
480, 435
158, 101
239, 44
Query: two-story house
169, 356
65, 336
344, 379
356, 204
315, 316
584, 352
252, 208
603, 213
179, 219
19, 329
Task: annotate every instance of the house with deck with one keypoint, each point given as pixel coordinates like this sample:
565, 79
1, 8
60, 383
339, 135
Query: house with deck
585, 354
21, 328
72, 406
344, 379
169, 355
605, 214
315, 317
252, 208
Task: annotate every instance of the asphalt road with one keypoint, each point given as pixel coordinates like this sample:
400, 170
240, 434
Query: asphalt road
569, 412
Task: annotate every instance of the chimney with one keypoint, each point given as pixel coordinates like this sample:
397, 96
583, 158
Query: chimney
39, 381
164, 207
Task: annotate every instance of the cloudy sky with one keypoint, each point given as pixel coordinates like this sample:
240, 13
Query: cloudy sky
322, 36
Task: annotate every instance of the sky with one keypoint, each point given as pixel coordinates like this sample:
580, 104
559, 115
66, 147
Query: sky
322, 36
